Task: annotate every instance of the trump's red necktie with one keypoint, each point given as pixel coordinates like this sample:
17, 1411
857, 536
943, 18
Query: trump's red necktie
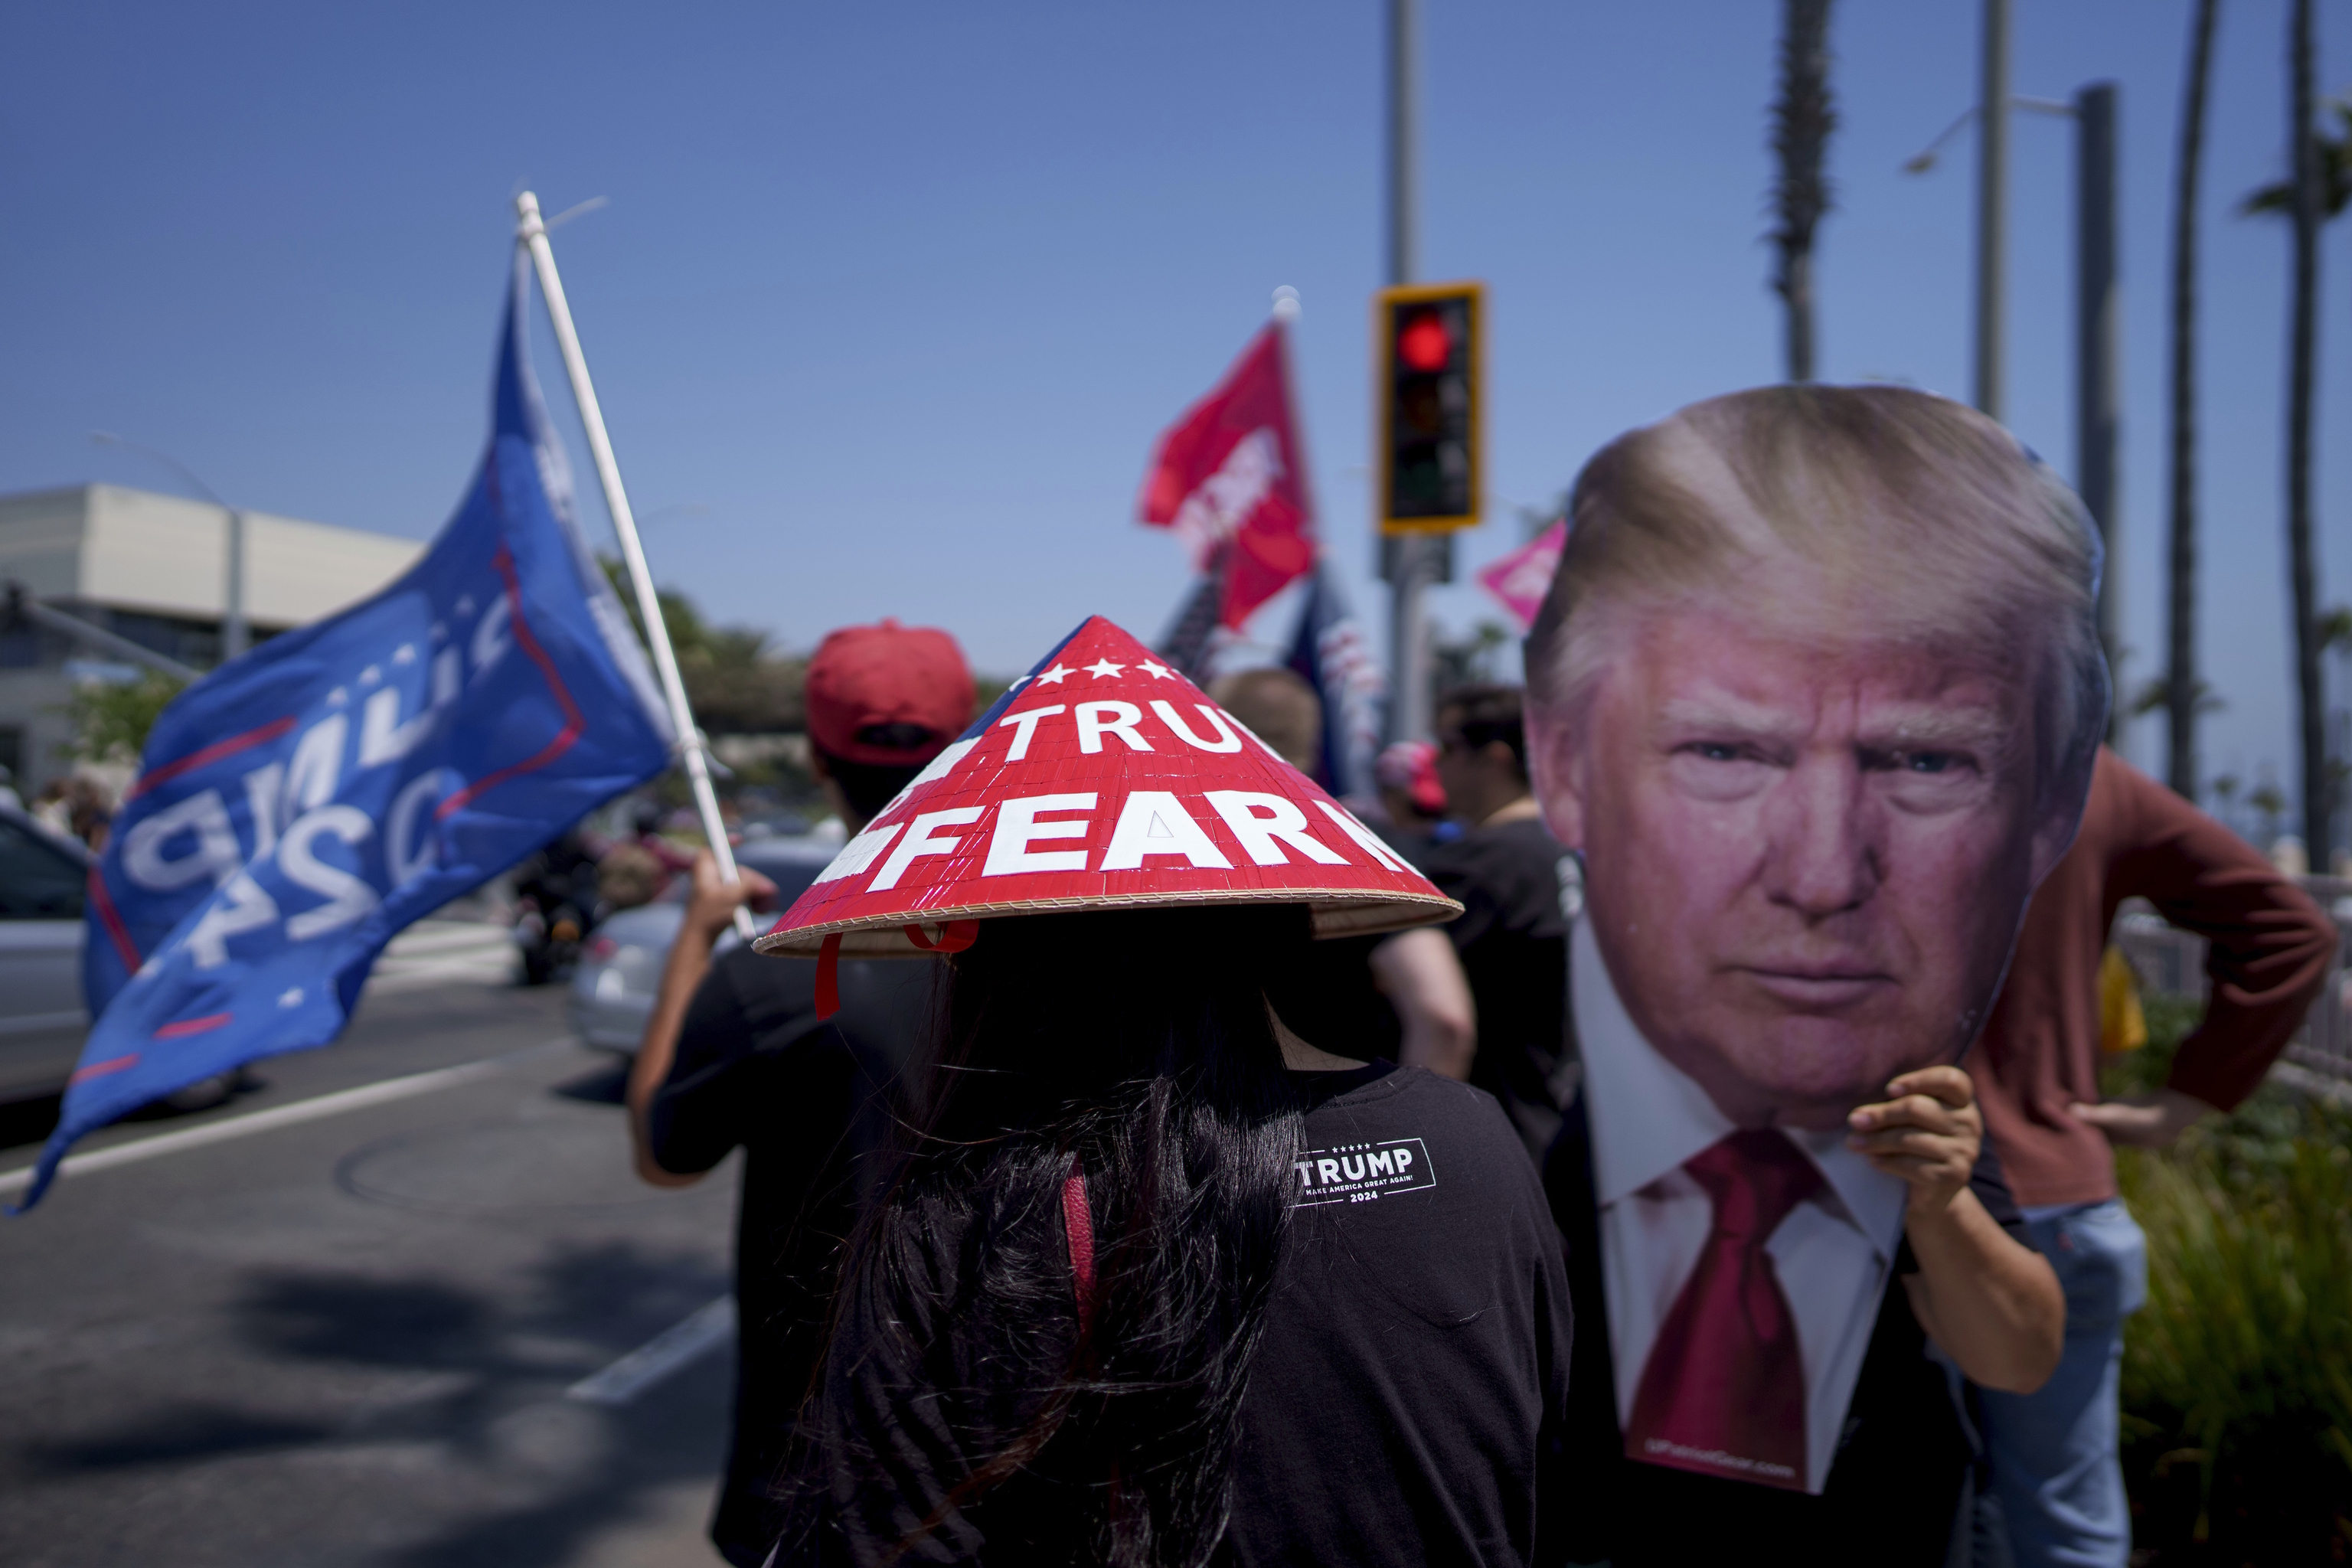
1724, 1392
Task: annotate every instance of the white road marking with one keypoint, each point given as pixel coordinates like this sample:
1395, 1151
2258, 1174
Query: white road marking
675, 1348
432, 954
497, 970
302, 1110
450, 936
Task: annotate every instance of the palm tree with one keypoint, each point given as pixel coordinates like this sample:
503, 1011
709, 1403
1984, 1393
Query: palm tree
1801, 122
2309, 200
2270, 801
2180, 670
2334, 174
2335, 637
2225, 800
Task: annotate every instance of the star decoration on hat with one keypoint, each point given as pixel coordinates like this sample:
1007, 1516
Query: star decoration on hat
1055, 676
1157, 672
1104, 667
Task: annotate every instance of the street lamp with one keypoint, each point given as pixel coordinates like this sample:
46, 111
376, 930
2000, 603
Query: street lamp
2098, 325
236, 636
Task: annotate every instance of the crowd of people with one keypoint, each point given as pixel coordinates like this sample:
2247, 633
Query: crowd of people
74, 806
1765, 1203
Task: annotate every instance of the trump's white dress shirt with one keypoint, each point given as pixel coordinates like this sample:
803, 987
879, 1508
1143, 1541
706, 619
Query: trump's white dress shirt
1832, 1253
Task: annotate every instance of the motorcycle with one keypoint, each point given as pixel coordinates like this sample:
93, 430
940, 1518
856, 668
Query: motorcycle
555, 899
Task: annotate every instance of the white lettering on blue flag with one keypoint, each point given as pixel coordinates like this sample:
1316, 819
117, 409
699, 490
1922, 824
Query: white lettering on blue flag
299, 807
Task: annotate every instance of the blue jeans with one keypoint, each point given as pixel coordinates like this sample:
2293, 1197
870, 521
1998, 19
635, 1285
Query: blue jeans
2053, 1452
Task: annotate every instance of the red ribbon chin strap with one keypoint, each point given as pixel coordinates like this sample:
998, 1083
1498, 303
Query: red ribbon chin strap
954, 936
828, 977
1079, 1220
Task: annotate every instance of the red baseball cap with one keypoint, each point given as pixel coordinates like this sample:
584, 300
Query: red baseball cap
1411, 766
887, 695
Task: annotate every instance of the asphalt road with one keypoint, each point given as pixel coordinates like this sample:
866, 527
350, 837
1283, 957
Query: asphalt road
349, 1340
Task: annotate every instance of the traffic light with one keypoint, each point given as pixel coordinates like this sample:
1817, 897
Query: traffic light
1429, 343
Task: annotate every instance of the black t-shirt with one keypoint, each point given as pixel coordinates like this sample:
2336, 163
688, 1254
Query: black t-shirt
1404, 1406
1513, 944
1407, 1403
1893, 1486
812, 1106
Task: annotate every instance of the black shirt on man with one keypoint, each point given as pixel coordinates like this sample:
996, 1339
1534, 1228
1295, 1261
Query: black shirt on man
812, 1105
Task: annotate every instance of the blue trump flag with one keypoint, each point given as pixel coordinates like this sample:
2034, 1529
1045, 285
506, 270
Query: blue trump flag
1331, 654
298, 807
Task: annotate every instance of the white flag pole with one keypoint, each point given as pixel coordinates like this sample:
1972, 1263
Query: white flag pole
531, 231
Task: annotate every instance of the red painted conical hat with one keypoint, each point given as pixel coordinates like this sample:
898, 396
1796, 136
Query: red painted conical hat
1103, 780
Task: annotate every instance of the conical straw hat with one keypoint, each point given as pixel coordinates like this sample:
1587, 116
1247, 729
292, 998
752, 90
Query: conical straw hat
1103, 780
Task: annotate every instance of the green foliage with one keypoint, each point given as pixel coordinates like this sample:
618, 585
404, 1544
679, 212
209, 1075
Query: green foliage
112, 720
734, 684
2334, 175
2237, 1387
1470, 661
2156, 691
2267, 799
737, 685
986, 689
2169, 1021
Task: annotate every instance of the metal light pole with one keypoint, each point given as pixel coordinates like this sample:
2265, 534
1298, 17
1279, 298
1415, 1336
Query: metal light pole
1409, 562
2098, 299
1402, 24
1992, 192
2098, 339
235, 634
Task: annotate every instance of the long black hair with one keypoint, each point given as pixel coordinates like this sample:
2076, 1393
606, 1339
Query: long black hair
1137, 1049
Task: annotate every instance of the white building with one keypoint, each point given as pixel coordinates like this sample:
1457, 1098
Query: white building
154, 569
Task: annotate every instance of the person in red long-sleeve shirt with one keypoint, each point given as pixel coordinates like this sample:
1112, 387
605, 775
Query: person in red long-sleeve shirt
2053, 1453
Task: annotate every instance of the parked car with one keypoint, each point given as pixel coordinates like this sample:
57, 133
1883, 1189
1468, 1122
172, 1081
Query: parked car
621, 963
42, 1024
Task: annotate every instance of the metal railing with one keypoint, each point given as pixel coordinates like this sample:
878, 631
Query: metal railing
2171, 963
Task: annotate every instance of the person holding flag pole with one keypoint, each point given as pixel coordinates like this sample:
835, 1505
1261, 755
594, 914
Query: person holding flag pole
531, 232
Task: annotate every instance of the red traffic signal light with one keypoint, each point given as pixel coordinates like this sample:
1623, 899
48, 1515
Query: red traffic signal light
1425, 344
1428, 450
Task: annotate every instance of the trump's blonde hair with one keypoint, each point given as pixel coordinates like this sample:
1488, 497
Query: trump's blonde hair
1914, 520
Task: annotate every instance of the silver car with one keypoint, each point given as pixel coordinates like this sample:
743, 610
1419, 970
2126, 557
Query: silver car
621, 963
42, 1023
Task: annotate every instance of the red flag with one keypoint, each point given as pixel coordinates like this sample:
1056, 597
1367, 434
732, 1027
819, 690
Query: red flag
1232, 468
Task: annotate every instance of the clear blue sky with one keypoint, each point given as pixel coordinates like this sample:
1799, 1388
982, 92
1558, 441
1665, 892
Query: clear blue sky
901, 294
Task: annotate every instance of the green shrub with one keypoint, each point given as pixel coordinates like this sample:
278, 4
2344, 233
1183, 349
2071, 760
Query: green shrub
110, 719
2170, 1020
2238, 1375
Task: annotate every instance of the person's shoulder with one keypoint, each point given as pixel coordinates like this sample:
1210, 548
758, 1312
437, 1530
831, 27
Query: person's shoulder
1465, 1104
1525, 832
2139, 822
2130, 811
750, 971
766, 984
1507, 848
1422, 1166
1416, 1097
